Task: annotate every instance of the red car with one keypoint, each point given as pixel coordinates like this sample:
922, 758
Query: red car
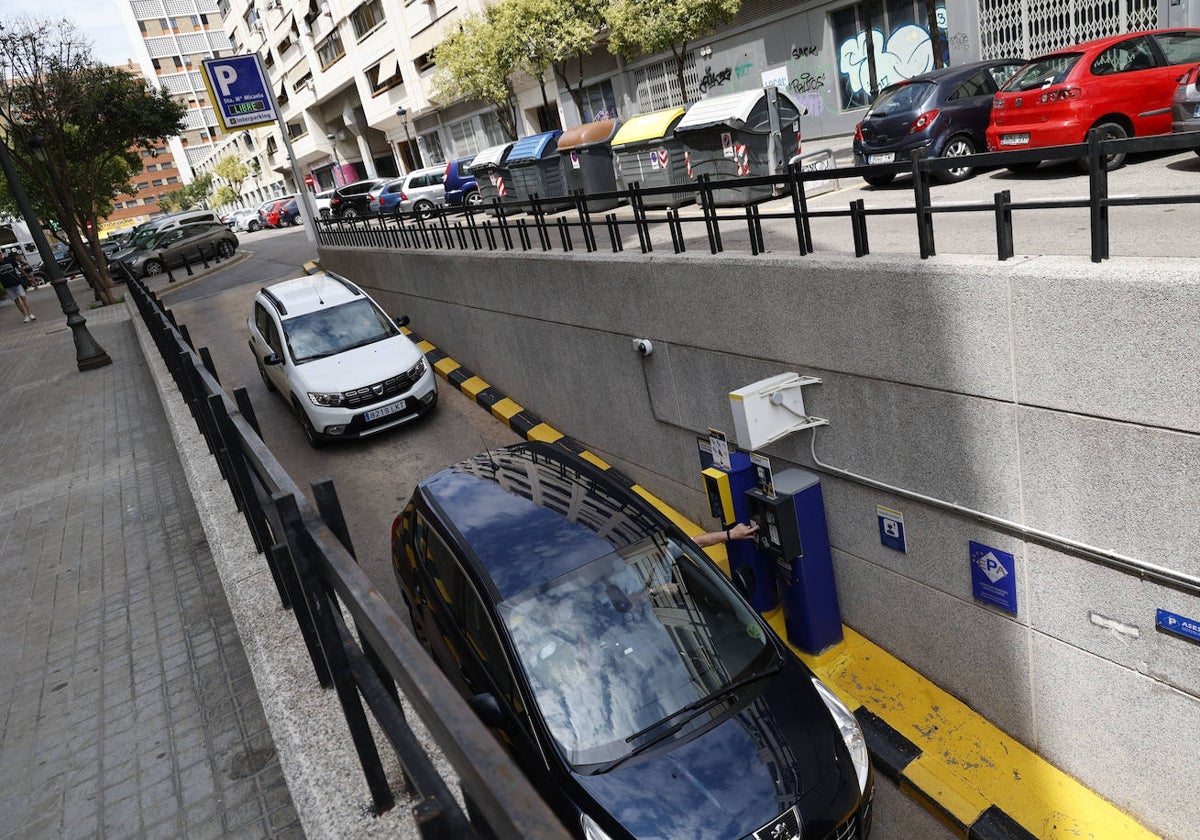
272, 215
1121, 84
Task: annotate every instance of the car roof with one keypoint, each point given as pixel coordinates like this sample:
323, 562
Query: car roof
310, 292
960, 70
1100, 43
531, 512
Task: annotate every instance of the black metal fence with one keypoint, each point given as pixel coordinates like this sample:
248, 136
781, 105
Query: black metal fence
526, 225
311, 560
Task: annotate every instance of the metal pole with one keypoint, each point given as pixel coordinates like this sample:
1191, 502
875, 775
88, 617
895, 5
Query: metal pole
88, 354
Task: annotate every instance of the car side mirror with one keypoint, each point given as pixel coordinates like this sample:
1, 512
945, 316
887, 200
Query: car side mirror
401, 320
743, 580
488, 709
272, 359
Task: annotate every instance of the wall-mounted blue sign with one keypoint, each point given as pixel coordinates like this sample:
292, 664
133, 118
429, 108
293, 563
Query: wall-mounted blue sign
1178, 625
240, 90
993, 576
891, 528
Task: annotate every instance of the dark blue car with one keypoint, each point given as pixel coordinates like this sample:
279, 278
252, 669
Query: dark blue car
945, 111
460, 184
634, 685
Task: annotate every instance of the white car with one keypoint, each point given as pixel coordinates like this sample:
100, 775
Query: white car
339, 360
321, 200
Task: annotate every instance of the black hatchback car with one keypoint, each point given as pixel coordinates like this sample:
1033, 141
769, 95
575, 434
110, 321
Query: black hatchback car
945, 111
638, 690
351, 201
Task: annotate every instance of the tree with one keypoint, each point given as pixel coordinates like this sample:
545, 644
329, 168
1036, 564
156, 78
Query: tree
90, 124
477, 63
636, 28
553, 35
189, 196
235, 172
225, 195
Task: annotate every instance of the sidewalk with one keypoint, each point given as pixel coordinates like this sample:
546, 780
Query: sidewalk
128, 706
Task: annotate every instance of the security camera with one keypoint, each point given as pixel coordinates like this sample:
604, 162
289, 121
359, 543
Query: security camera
643, 346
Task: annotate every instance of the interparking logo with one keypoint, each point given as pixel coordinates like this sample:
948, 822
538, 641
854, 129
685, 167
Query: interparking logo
991, 566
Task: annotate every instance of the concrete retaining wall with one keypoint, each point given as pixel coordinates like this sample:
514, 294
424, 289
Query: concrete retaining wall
1049, 392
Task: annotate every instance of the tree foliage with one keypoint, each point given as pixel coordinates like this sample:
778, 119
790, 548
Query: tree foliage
234, 171
667, 25
189, 196
90, 124
479, 62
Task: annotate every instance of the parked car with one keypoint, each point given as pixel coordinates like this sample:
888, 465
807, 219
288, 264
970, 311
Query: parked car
350, 201
289, 213
265, 208
244, 220
421, 190
459, 184
274, 212
321, 201
1185, 104
385, 197
176, 245
1121, 86
944, 111
631, 681
337, 358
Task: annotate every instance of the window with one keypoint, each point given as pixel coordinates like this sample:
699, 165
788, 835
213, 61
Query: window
599, 102
1180, 47
158, 182
385, 74
974, 85
331, 49
424, 62
366, 17
297, 129
431, 148
904, 20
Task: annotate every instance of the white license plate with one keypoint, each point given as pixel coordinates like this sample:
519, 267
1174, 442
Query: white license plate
1014, 139
1196, 111
376, 413
888, 157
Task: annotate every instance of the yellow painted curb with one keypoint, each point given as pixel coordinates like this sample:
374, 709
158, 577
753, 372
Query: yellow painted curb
505, 409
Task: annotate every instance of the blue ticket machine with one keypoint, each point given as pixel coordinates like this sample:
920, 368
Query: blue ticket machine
727, 501
792, 531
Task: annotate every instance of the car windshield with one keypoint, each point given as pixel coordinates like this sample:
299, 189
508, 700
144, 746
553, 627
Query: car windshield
900, 98
627, 642
336, 329
1043, 72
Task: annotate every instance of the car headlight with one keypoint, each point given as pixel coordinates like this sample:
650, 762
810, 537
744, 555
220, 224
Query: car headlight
418, 370
851, 733
591, 831
326, 400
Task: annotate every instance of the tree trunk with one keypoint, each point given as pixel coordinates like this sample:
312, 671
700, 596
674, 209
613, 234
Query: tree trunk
680, 62
576, 92
935, 34
551, 115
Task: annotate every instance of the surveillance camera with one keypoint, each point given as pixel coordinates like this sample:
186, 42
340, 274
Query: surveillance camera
643, 346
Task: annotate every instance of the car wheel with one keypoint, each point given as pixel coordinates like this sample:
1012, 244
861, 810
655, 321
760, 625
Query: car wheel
1020, 168
225, 249
314, 439
349, 213
325, 213
152, 268
959, 146
474, 199
423, 208
253, 226
296, 220
262, 371
879, 180
1108, 131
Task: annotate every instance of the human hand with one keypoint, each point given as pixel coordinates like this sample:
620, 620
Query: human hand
743, 531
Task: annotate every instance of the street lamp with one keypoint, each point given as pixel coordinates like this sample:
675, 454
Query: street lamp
337, 166
412, 150
88, 354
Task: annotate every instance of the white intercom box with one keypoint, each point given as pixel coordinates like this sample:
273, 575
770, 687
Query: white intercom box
769, 409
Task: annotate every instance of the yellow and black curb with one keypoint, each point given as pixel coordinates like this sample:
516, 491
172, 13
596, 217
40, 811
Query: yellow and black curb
980, 782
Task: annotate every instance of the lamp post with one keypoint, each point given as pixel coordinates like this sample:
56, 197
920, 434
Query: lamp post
412, 150
88, 354
337, 165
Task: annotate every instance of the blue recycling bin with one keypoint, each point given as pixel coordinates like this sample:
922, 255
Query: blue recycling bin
537, 171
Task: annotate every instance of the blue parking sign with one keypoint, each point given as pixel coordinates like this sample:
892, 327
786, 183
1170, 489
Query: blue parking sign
993, 576
240, 91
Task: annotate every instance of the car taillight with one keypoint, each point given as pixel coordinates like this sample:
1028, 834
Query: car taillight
1059, 95
923, 122
403, 197
858, 132
447, 173
334, 201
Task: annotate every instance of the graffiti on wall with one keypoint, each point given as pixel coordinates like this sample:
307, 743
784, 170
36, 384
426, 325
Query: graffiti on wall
711, 81
904, 54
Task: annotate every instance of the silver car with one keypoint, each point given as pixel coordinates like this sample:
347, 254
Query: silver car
1185, 104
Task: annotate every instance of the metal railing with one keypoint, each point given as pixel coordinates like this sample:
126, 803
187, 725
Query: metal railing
311, 559
527, 225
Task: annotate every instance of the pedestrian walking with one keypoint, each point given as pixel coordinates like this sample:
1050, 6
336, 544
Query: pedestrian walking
13, 280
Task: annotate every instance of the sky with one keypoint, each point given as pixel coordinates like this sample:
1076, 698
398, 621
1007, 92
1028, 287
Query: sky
98, 20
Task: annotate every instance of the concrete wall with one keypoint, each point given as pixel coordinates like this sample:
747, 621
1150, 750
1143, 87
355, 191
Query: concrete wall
1049, 392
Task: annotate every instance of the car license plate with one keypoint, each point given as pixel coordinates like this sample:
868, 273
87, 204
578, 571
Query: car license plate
888, 157
1196, 111
376, 413
1014, 139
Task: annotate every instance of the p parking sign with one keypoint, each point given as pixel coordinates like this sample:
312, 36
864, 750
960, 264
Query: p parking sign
240, 91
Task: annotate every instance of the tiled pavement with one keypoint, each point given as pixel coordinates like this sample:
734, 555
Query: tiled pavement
127, 708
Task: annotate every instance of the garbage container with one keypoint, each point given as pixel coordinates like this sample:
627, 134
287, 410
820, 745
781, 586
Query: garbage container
491, 173
646, 151
537, 170
587, 161
741, 135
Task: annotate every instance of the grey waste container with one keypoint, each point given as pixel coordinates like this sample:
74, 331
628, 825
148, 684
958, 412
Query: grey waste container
491, 173
741, 135
646, 152
537, 170
587, 161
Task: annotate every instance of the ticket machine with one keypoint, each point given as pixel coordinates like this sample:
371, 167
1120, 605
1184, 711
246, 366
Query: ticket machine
792, 532
727, 492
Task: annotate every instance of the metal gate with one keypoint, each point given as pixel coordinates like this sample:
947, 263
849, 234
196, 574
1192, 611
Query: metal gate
1027, 28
